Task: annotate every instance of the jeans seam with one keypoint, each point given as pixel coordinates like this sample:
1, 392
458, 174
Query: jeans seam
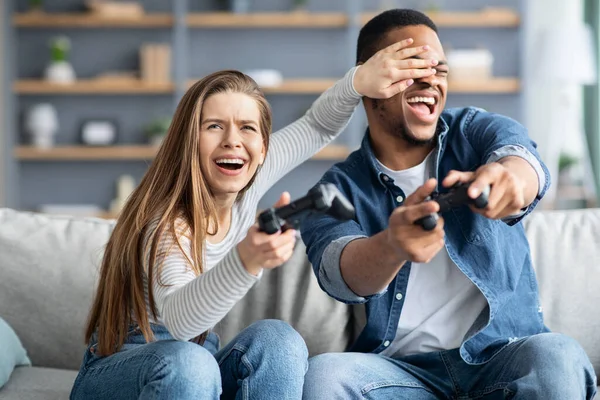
237, 347
373, 386
446, 363
247, 364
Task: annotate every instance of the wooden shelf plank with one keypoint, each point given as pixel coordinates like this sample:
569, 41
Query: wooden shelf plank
267, 20
84, 153
495, 85
92, 86
317, 86
486, 18
489, 17
88, 20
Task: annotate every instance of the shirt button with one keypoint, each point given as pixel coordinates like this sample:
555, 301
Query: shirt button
386, 178
398, 296
399, 199
386, 343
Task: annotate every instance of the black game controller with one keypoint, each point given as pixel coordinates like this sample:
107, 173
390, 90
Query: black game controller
323, 198
455, 197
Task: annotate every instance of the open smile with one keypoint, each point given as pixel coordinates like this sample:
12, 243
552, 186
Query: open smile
423, 107
230, 166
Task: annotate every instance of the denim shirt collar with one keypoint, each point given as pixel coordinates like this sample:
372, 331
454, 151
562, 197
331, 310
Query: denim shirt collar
368, 154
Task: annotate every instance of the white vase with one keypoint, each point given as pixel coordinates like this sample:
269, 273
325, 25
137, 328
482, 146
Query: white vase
41, 124
60, 72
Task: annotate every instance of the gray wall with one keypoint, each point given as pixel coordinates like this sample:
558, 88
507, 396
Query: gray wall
296, 52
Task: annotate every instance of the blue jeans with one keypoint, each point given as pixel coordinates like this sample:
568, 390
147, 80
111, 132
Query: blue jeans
547, 366
267, 360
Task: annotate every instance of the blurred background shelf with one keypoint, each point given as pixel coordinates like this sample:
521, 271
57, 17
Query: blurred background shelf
267, 20
84, 20
92, 86
486, 18
316, 86
87, 153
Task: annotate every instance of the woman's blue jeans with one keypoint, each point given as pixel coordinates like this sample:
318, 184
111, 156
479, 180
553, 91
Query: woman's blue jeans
268, 360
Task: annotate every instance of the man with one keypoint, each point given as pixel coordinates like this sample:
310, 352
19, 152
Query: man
452, 312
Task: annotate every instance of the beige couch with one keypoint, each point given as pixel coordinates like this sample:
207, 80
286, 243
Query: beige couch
48, 269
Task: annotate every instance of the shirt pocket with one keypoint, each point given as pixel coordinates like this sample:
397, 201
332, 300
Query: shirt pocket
474, 227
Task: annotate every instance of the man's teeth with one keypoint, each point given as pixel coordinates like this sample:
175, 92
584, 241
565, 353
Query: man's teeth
230, 161
427, 100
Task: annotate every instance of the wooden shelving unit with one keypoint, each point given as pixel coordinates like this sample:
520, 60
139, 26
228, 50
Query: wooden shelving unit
125, 153
92, 86
316, 86
486, 18
84, 20
267, 20
491, 86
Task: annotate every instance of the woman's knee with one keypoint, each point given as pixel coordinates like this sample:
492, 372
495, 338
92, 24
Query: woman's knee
187, 365
279, 339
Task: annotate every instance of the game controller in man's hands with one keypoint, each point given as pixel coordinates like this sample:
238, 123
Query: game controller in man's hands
455, 197
323, 198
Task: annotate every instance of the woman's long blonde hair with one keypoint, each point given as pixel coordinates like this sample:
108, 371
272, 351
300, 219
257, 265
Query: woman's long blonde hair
173, 189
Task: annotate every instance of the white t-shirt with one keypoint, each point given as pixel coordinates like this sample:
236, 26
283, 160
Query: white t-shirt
440, 303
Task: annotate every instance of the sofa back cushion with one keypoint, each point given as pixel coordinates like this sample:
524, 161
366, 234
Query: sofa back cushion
48, 272
565, 248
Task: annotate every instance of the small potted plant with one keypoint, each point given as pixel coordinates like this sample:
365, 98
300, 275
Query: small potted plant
60, 70
300, 5
35, 6
566, 163
156, 130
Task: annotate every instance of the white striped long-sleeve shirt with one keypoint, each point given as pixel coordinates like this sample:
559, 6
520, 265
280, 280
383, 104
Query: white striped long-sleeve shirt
187, 304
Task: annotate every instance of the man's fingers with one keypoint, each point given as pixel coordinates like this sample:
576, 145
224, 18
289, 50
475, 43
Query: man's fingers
484, 177
421, 193
394, 47
415, 212
455, 177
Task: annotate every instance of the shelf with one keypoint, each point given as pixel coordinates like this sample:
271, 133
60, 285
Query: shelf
84, 20
317, 86
490, 17
486, 18
91, 86
494, 85
84, 153
267, 20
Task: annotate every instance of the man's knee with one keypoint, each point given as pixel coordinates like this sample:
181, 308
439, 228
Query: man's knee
185, 367
557, 360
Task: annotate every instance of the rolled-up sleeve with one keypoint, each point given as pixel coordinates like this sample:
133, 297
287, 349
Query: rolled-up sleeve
496, 136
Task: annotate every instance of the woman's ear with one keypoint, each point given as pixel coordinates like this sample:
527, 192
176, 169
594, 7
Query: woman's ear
263, 154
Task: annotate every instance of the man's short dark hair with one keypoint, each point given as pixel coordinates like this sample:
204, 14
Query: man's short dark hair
373, 32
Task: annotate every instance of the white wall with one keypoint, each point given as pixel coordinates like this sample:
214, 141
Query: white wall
542, 100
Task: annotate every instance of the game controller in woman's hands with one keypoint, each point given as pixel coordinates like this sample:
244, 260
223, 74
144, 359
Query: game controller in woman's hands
455, 197
323, 198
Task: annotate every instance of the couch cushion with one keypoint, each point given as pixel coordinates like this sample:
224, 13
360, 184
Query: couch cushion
565, 247
48, 270
291, 293
11, 351
33, 383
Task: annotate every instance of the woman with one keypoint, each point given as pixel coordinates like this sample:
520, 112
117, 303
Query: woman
185, 249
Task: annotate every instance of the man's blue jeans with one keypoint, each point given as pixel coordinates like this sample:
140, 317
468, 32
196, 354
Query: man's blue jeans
547, 366
268, 360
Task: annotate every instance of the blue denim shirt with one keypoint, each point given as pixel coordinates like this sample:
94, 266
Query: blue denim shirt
493, 254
